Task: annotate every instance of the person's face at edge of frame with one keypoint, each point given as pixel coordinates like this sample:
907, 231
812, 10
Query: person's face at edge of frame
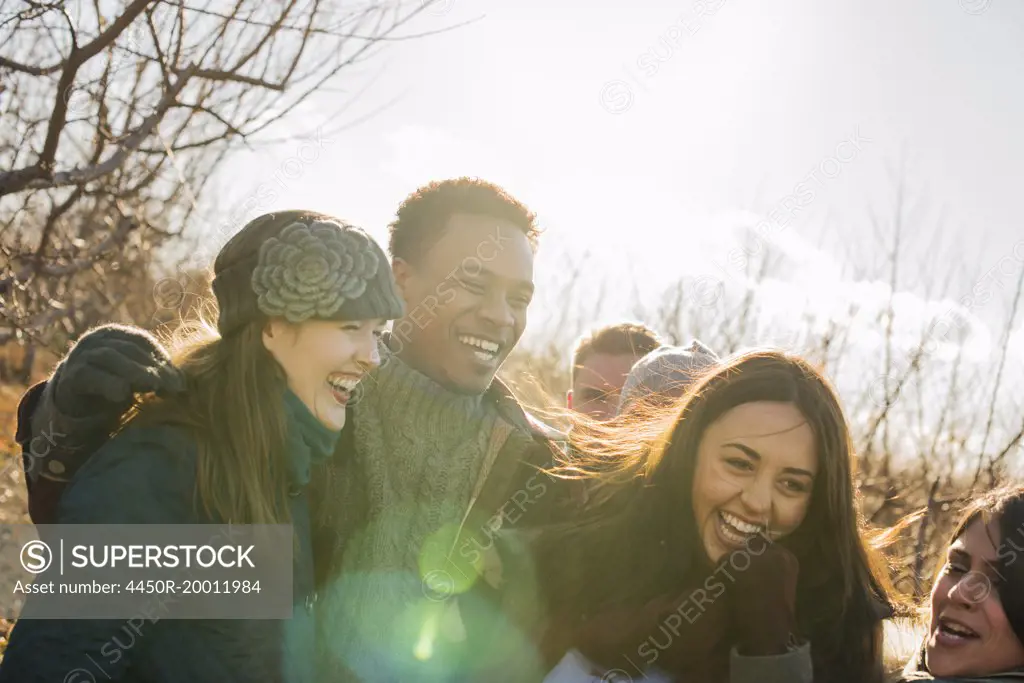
969, 634
755, 472
466, 301
323, 360
598, 383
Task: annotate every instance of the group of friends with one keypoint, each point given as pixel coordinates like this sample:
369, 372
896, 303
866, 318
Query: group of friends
697, 521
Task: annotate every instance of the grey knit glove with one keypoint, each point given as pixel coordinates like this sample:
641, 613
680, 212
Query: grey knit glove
96, 383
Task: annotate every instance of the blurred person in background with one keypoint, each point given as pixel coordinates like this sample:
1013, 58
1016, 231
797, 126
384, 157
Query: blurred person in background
976, 607
663, 376
600, 363
249, 416
720, 540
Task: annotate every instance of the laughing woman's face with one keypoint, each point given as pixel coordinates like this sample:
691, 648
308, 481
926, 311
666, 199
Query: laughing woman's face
755, 472
324, 361
969, 634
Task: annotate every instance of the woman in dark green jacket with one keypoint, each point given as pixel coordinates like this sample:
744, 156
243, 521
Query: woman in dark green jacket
976, 607
302, 299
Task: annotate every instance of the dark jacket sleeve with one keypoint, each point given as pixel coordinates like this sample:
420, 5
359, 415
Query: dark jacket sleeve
51, 455
135, 479
26, 407
43, 492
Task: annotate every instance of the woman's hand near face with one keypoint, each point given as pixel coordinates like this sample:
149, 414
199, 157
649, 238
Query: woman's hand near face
761, 585
675, 633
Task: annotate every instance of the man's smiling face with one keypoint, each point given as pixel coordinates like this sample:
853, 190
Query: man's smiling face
467, 298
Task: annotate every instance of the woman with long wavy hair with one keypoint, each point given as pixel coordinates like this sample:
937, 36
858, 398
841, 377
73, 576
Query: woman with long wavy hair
301, 299
721, 540
975, 615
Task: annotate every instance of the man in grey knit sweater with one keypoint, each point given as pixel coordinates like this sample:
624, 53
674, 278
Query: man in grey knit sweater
442, 461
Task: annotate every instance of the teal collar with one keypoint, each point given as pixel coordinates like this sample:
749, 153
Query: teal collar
309, 441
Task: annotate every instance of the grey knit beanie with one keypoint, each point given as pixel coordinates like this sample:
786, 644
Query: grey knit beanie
667, 371
300, 265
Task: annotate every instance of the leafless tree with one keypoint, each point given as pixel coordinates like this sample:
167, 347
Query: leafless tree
113, 117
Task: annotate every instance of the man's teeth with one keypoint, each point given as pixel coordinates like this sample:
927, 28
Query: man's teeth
488, 347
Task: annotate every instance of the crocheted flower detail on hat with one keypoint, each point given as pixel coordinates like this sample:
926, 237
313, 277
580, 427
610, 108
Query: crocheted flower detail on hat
309, 271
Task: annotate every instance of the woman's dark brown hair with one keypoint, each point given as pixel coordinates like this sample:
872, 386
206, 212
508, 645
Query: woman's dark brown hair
637, 538
1005, 508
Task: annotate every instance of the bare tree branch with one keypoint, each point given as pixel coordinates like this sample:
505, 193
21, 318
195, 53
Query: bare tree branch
128, 111
14, 181
999, 375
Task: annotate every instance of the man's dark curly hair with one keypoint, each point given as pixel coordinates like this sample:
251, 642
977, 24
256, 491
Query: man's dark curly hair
423, 215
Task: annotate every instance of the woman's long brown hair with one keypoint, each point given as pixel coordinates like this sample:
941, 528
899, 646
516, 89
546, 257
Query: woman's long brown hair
232, 407
637, 538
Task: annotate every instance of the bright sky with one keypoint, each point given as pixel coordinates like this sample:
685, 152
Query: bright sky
648, 133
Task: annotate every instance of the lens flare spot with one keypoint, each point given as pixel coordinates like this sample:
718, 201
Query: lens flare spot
424, 649
447, 566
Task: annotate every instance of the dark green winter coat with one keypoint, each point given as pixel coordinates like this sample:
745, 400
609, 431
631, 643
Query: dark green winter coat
916, 671
147, 475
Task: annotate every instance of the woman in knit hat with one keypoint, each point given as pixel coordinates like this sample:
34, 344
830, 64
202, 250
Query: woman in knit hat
720, 540
665, 374
976, 608
302, 298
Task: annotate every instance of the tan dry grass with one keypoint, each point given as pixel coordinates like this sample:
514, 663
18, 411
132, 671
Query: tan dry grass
13, 501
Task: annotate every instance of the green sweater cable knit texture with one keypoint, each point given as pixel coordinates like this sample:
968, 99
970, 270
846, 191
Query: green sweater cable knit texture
421, 447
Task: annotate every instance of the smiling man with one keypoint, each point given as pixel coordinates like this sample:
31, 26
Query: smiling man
463, 258
442, 461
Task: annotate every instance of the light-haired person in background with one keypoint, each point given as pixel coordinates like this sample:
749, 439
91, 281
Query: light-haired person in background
600, 363
665, 374
660, 376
